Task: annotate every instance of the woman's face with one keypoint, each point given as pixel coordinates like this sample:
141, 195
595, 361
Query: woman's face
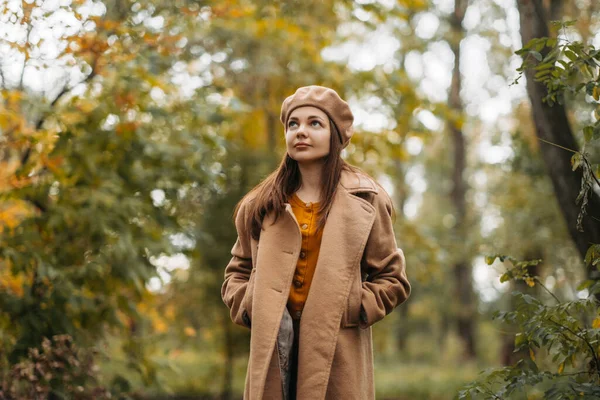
308, 125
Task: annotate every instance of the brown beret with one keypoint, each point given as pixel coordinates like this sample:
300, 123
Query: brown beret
328, 101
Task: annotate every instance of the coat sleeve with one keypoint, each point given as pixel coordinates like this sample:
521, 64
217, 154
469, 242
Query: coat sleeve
237, 271
387, 285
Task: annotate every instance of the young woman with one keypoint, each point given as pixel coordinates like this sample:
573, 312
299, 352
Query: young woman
316, 262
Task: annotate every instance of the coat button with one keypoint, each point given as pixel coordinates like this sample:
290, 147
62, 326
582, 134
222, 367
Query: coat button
297, 283
304, 226
298, 314
302, 254
308, 204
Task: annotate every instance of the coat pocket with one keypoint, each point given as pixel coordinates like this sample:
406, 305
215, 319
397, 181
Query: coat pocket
247, 304
351, 316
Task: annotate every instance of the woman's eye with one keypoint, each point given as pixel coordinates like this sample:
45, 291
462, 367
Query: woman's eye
312, 122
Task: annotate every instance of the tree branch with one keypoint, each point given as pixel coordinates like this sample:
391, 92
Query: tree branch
63, 92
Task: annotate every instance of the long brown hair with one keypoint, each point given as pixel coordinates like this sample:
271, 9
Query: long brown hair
273, 191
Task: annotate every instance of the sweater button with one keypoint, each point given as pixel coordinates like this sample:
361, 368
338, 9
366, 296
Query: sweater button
304, 226
297, 283
302, 254
298, 314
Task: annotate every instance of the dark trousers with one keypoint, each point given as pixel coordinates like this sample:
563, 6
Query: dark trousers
294, 360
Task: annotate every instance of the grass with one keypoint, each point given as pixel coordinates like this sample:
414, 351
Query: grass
424, 369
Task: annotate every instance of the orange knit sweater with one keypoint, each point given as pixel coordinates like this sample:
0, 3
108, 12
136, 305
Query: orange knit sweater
307, 215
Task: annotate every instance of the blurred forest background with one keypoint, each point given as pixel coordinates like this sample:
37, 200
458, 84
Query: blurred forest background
130, 129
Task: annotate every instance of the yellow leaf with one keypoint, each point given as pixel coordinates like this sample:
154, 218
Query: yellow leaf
14, 96
252, 129
14, 284
122, 317
561, 367
53, 164
189, 331
71, 117
596, 93
159, 325
596, 323
170, 312
12, 213
531, 354
86, 106
530, 282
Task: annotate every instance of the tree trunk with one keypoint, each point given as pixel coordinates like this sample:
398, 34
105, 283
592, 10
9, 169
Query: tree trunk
465, 317
552, 125
400, 191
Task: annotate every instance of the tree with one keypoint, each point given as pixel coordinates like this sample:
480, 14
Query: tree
91, 181
463, 272
553, 127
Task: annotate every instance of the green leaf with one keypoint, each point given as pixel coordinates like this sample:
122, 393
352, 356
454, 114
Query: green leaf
531, 43
539, 46
585, 284
588, 133
537, 55
520, 338
521, 51
592, 256
489, 260
585, 71
542, 73
576, 161
570, 55
596, 134
545, 65
552, 54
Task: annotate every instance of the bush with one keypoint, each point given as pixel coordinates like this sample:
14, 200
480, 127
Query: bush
59, 370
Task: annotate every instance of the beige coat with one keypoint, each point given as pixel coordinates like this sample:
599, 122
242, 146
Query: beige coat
359, 264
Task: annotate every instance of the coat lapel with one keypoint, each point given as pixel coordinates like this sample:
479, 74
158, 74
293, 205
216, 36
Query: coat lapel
276, 258
344, 237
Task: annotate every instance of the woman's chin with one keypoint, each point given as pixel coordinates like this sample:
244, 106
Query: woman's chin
308, 160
